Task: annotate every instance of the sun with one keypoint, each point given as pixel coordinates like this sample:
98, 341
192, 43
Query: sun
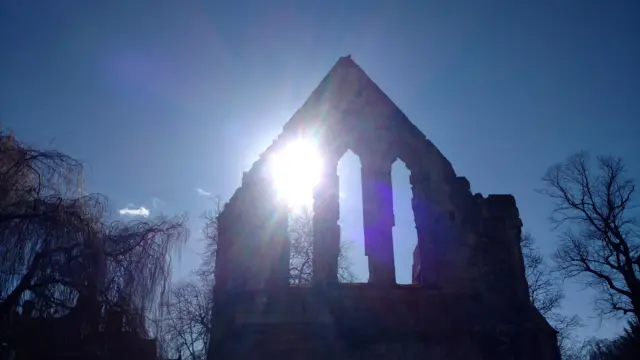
296, 170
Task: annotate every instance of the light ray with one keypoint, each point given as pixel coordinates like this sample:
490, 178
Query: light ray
296, 170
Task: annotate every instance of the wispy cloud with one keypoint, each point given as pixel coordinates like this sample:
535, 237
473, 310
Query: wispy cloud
141, 211
202, 192
155, 202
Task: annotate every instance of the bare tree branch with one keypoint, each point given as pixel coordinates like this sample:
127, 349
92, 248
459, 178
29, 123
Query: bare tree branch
56, 246
188, 320
600, 243
546, 294
301, 260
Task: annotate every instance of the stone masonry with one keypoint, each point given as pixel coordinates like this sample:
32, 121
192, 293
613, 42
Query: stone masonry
469, 298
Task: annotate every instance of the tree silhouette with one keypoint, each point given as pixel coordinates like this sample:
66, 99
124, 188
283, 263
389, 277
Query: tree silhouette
301, 260
623, 347
546, 294
58, 246
600, 243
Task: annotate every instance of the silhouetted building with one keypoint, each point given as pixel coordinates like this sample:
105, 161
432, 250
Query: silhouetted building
469, 298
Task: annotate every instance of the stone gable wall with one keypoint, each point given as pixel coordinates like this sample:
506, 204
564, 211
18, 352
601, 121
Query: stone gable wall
468, 271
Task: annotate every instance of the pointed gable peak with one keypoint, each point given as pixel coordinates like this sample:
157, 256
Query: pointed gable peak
345, 88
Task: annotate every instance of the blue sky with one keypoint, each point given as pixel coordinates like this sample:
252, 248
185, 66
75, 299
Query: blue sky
161, 98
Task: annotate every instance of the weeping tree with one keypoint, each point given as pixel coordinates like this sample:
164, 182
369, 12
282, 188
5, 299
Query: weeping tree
137, 255
57, 244
42, 218
49, 257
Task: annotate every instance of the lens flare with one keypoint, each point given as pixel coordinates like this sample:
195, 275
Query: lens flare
296, 170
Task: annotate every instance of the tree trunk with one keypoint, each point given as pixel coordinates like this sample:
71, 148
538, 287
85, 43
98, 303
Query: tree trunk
25, 283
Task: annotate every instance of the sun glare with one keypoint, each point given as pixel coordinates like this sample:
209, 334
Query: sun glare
296, 170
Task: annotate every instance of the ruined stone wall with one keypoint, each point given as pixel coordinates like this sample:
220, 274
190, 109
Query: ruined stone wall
468, 247
475, 246
252, 249
461, 236
359, 321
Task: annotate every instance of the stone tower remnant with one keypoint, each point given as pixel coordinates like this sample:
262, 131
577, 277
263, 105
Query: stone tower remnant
469, 298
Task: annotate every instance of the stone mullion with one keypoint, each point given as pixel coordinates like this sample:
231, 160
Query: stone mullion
377, 206
420, 189
326, 232
282, 250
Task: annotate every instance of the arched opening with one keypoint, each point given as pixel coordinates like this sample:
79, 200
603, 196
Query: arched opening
352, 263
405, 237
301, 246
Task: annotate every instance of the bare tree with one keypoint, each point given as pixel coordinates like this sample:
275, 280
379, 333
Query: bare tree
301, 245
600, 244
187, 322
301, 260
623, 347
205, 271
590, 349
546, 294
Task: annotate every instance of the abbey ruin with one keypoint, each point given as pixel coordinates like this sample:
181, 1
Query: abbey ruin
469, 298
